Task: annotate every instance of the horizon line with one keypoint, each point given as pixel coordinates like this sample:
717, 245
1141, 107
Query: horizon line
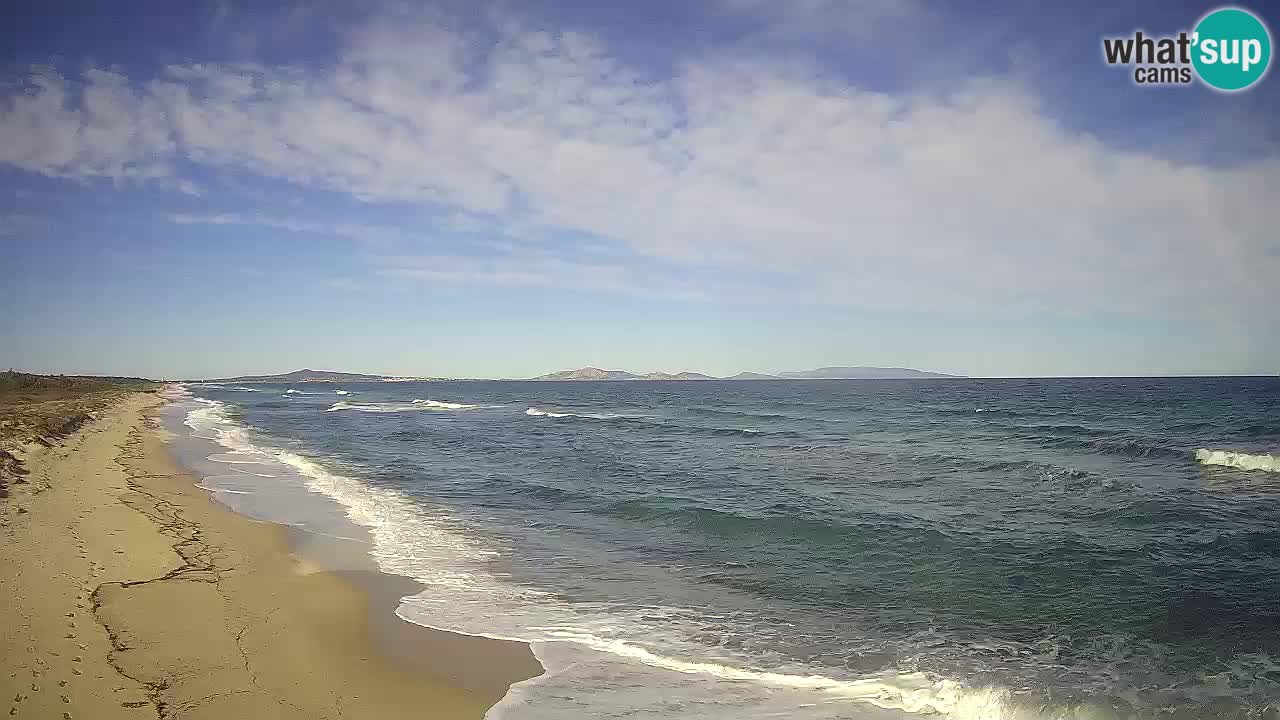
772, 376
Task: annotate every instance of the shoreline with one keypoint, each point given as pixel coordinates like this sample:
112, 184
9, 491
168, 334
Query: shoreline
136, 594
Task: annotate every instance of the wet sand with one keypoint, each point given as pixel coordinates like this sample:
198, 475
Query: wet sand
131, 594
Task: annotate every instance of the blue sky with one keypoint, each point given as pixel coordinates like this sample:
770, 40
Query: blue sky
502, 190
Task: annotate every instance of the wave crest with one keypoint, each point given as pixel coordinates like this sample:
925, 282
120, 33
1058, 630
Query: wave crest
535, 412
444, 405
1238, 460
391, 407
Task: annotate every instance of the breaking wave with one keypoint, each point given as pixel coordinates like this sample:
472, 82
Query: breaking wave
648, 421
535, 412
1238, 460
444, 405
392, 407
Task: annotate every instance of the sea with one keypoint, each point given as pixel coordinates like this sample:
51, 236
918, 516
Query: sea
1083, 549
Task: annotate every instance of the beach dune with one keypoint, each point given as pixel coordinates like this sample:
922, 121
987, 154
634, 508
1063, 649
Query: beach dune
131, 594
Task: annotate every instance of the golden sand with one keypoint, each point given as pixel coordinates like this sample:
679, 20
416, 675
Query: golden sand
129, 593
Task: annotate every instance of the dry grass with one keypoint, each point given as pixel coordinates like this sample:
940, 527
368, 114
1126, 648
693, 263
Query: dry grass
44, 408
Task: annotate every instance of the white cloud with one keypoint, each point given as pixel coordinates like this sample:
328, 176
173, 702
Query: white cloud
968, 199
100, 126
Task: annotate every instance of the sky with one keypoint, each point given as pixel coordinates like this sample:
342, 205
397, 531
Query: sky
471, 189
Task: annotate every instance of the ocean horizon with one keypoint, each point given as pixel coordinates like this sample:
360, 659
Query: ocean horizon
1101, 548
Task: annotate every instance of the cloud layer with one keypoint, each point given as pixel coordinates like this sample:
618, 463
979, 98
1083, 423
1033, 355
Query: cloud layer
970, 199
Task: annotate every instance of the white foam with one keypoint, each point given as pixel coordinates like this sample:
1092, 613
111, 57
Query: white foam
212, 419
415, 406
444, 405
545, 413
538, 412
1239, 460
391, 407
913, 692
235, 458
223, 490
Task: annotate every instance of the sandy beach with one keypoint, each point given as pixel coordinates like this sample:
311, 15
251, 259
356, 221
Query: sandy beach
131, 594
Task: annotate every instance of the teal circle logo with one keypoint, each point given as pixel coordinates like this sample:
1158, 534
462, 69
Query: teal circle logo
1231, 49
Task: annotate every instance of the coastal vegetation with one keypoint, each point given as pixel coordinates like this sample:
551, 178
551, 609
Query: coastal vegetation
44, 408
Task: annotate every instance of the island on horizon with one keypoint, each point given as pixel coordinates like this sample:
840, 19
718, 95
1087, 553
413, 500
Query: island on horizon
307, 375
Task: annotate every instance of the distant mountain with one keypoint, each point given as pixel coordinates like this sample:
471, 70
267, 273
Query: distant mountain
306, 375
589, 373
686, 375
752, 376
862, 373
826, 373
